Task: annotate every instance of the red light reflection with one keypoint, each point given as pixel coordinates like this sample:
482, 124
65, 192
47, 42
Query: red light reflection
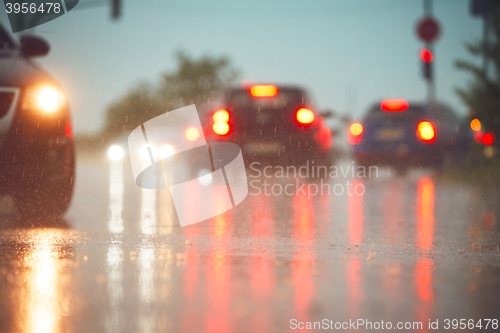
423, 280
425, 235
354, 287
425, 213
303, 263
355, 216
393, 204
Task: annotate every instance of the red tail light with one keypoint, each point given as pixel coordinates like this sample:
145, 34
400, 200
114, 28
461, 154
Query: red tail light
478, 136
355, 133
394, 105
426, 131
263, 91
304, 116
488, 139
324, 136
221, 122
68, 130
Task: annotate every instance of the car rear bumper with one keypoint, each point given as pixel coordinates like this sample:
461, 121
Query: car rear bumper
422, 157
35, 163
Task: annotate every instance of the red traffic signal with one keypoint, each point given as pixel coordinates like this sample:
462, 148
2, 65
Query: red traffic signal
426, 55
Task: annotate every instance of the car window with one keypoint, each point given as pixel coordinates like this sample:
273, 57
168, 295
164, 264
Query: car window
284, 99
376, 113
444, 114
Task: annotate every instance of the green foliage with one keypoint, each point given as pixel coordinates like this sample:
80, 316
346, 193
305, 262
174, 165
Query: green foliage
483, 93
195, 81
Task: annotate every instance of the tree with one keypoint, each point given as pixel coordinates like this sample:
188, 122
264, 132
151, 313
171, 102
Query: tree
195, 81
483, 93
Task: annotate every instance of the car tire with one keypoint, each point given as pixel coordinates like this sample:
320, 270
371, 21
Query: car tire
47, 197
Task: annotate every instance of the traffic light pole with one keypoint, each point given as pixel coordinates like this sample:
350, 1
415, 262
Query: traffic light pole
486, 44
431, 87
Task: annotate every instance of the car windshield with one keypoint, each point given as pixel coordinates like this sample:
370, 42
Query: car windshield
282, 100
413, 112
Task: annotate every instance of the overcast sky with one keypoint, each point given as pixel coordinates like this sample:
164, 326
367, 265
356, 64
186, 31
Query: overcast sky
349, 53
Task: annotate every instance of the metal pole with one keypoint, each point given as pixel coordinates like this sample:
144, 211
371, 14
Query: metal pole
486, 39
431, 87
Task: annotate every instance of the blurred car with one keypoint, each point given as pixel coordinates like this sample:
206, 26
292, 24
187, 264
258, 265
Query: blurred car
37, 162
178, 164
273, 124
402, 135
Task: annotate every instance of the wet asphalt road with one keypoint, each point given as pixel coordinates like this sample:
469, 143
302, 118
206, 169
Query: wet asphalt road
407, 250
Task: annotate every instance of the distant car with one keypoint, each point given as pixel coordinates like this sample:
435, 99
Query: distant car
402, 135
272, 124
37, 162
185, 164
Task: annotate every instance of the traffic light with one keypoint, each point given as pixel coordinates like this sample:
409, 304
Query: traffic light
116, 9
427, 58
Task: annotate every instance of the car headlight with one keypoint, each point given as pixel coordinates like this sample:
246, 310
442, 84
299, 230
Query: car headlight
45, 98
116, 153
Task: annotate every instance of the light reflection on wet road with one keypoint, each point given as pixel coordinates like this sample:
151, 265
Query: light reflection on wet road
408, 249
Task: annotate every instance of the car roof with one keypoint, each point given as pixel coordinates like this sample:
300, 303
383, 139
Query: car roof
280, 87
416, 105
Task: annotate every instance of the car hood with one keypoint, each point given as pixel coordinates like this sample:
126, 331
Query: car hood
18, 71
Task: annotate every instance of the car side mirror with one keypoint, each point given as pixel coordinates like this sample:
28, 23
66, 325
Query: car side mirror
326, 114
33, 46
346, 119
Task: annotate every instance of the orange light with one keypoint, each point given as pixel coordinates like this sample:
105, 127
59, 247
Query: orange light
426, 131
220, 128
355, 134
221, 115
356, 129
192, 134
394, 105
263, 91
304, 116
426, 55
475, 125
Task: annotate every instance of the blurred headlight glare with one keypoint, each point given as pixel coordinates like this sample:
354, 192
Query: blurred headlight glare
192, 134
166, 151
46, 99
115, 153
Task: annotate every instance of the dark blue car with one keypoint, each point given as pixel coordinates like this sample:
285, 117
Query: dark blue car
401, 135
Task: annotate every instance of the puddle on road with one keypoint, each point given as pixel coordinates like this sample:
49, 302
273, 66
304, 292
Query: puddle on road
409, 248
